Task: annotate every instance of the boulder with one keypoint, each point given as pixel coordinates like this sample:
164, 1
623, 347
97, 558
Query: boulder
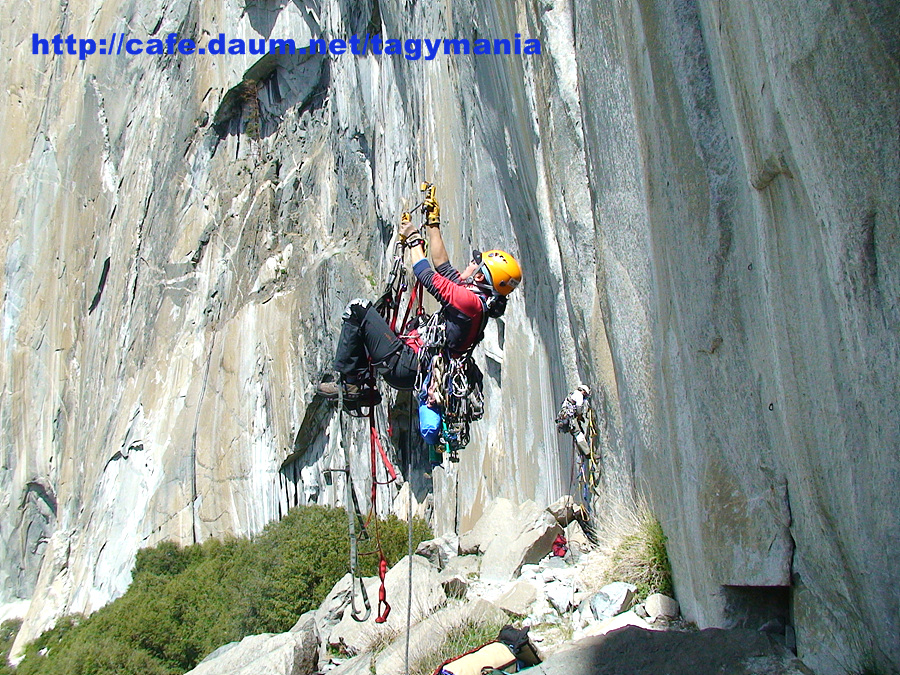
358, 665
498, 518
612, 599
563, 509
455, 586
347, 636
292, 653
355, 637
458, 574
526, 539
659, 606
439, 550
332, 608
466, 566
604, 626
561, 594
518, 598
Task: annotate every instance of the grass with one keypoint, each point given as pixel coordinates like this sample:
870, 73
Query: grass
637, 553
455, 642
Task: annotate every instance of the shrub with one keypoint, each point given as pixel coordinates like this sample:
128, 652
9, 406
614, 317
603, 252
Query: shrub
8, 630
166, 559
184, 602
640, 556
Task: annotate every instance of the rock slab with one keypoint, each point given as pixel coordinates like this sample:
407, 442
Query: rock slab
292, 653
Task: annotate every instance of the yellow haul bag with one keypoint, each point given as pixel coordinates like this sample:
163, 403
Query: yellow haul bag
486, 658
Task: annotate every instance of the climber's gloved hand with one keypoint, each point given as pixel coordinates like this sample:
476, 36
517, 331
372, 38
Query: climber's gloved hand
432, 212
407, 229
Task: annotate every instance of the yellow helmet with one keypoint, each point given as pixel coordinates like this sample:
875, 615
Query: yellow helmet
502, 271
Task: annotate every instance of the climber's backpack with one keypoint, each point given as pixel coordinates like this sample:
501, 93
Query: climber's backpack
485, 659
517, 640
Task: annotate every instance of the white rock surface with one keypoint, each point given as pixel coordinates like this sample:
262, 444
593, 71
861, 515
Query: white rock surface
609, 624
496, 521
291, 653
518, 598
661, 606
612, 599
525, 540
563, 509
439, 550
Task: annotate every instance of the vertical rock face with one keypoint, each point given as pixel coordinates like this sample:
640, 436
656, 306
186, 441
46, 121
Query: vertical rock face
704, 197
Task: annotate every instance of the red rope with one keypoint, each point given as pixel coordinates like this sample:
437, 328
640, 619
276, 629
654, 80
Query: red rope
376, 448
375, 444
415, 294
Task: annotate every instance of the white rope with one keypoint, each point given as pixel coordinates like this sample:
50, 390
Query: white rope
409, 527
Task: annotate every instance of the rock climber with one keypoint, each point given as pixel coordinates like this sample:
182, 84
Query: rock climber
467, 299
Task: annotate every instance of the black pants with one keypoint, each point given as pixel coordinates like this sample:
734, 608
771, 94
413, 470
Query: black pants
365, 336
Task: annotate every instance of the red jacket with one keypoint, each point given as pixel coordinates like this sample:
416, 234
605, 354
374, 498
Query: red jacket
462, 307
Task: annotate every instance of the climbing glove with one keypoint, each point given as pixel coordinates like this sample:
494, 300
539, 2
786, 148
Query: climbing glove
406, 227
409, 233
432, 212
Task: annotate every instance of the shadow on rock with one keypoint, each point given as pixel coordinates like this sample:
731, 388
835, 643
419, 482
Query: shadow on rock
636, 651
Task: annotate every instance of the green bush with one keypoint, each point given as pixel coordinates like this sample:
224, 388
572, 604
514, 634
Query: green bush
8, 630
183, 603
641, 559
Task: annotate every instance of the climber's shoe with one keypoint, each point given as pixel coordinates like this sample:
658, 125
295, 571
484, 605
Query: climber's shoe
365, 397
331, 390
354, 395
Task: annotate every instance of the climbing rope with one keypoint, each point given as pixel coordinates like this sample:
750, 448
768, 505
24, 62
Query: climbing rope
409, 527
352, 515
